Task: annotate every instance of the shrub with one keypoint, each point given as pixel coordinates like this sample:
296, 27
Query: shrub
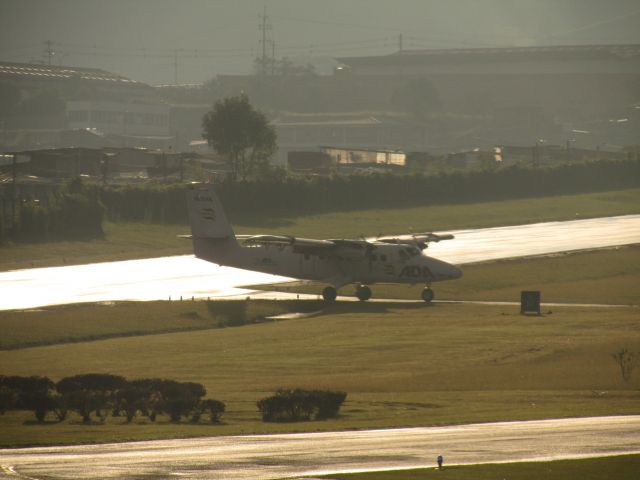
301, 405
28, 393
215, 408
90, 392
73, 212
180, 398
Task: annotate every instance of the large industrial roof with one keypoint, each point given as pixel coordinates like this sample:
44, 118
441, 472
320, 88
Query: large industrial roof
43, 72
455, 55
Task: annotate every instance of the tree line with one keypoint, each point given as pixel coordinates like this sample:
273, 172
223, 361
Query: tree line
95, 396
305, 195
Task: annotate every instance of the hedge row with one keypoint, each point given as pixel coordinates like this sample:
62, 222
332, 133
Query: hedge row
103, 393
166, 203
73, 212
77, 211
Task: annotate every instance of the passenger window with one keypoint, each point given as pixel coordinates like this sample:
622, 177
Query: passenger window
383, 258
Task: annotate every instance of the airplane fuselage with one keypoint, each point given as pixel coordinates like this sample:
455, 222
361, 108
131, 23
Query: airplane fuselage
386, 264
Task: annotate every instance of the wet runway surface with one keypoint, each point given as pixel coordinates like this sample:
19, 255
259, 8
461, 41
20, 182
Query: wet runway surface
285, 456
186, 276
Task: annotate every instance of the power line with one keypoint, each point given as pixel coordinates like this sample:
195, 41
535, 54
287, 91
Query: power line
338, 24
199, 52
592, 25
175, 67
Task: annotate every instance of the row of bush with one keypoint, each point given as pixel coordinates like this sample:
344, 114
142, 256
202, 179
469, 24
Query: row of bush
99, 394
102, 394
166, 203
77, 211
73, 212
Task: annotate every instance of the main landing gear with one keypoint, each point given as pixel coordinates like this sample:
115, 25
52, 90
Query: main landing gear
427, 295
329, 294
363, 293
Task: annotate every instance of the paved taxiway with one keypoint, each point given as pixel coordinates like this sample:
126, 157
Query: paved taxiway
292, 455
186, 276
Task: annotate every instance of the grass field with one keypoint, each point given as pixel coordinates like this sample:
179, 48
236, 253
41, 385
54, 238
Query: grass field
133, 240
624, 467
401, 365
90, 322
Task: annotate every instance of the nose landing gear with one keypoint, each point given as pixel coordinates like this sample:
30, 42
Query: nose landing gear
427, 294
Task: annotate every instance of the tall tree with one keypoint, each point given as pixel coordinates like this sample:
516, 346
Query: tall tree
10, 96
418, 97
240, 133
29, 393
90, 392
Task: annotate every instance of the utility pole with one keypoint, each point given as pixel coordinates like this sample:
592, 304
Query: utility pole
400, 46
175, 67
264, 27
273, 57
49, 51
14, 193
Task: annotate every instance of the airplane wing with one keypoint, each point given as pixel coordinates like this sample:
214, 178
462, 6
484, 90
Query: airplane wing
332, 247
283, 240
420, 240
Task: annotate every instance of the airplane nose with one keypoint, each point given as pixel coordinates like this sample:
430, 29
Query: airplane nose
444, 270
454, 272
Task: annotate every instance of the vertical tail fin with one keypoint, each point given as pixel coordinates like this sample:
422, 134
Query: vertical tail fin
213, 237
206, 213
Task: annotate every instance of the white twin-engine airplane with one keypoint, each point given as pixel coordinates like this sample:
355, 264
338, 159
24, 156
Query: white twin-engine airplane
338, 262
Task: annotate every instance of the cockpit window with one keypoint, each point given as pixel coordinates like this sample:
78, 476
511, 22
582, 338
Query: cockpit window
412, 251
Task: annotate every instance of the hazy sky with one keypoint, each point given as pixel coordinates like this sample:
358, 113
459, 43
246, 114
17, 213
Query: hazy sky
139, 38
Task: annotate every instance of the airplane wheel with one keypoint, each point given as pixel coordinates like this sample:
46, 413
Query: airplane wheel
329, 294
363, 293
428, 295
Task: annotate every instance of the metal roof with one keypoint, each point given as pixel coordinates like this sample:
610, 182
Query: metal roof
43, 72
562, 52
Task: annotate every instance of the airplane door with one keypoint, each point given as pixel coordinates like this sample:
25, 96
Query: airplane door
307, 265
